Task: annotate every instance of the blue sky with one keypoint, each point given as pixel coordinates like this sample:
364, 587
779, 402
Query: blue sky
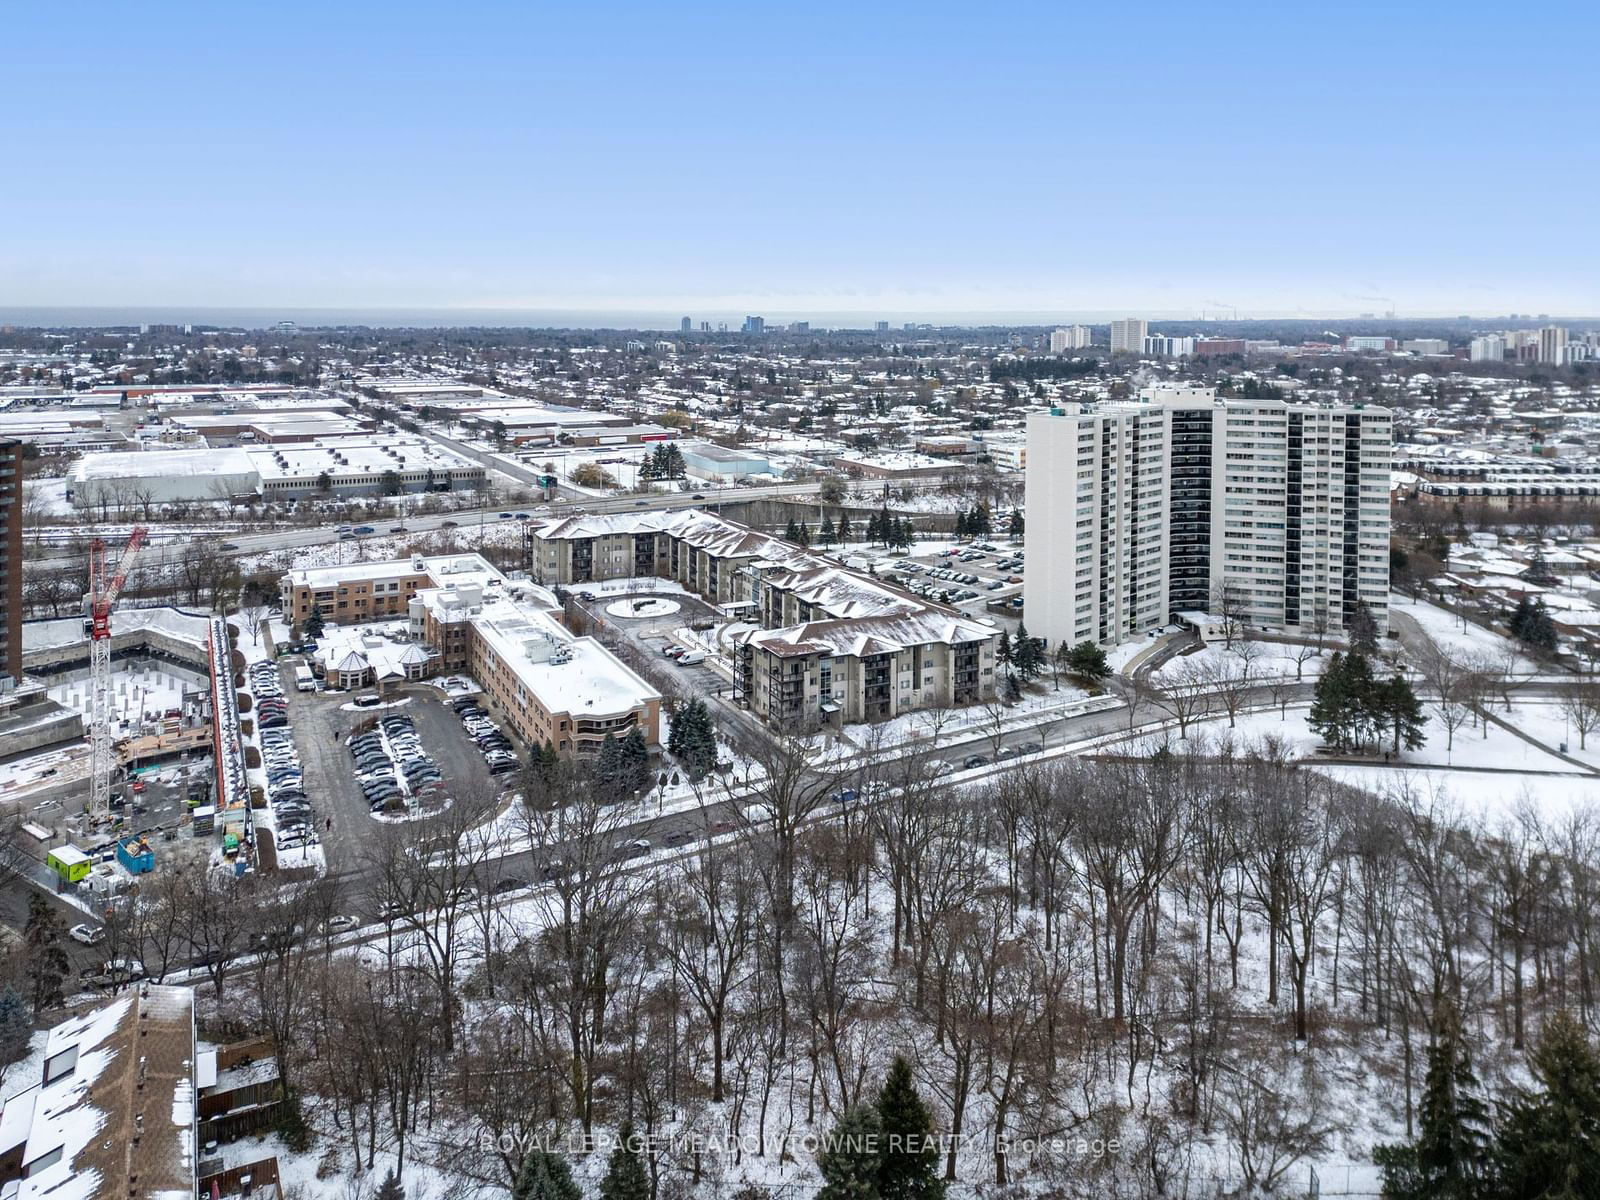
804, 158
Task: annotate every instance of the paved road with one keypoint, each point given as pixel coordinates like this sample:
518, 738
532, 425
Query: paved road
161, 552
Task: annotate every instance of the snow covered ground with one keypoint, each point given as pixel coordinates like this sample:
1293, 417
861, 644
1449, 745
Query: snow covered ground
1257, 659
1457, 637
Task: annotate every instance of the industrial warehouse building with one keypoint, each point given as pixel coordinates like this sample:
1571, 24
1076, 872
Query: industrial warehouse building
354, 466
833, 645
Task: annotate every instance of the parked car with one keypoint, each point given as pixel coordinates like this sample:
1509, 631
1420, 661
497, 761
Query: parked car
972, 761
342, 924
89, 935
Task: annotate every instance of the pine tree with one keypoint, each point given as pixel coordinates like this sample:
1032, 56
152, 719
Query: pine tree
1363, 629
1003, 653
827, 535
908, 1160
963, 526
849, 1157
391, 1188
803, 535
697, 745
607, 768
545, 1176
634, 761
311, 627
1530, 624
1549, 1143
1017, 526
48, 964
1026, 654
885, 526
845, 532
1404, 713
625, 1177
791, 531
1450, 1160
1088, 660
16, 1026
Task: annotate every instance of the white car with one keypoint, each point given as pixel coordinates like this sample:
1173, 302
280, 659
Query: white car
340, 924
89, 935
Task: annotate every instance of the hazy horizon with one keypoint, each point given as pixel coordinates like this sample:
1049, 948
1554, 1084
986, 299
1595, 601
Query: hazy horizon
254, 317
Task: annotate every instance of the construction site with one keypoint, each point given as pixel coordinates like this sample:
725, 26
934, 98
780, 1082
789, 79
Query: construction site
111, 770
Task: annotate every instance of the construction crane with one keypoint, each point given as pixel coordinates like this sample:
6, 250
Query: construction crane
105, 584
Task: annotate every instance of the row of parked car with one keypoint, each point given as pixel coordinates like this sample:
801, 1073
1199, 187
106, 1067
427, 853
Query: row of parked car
272, 710
388, 752
293, 819
496, 747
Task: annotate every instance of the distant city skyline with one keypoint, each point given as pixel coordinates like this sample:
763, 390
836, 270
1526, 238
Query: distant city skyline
898, 162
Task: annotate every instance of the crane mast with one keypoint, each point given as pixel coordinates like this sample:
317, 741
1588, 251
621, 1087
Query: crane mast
105, 584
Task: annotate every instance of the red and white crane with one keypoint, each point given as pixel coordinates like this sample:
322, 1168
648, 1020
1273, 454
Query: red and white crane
105, 584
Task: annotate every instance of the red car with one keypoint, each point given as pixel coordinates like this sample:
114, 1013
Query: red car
138, 786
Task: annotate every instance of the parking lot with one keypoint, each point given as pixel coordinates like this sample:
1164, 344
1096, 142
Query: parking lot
323, 724
651, 634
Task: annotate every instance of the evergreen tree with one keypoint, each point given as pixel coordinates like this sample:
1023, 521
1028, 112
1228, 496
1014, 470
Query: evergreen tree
1003, 652
845, 532
827, 535
1363, 629
311, 627
1018, 526
1530, 624
1026, 654
1011, 688
1087, 660
607, 769
1351, 709
634, 761
963, 525
908, 1159
545, 1176
697, 739
1403, 710
48, 965
625, 1177
391, 1188
1450, 1160
791, 531
849, 1157
1549, 1143
16, 1026
803, 535
885, 526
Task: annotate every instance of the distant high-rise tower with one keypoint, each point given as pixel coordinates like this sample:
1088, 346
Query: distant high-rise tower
755, 325
685, 325
1127, 336
1072, 337
882, 327
1553, 345
10, 564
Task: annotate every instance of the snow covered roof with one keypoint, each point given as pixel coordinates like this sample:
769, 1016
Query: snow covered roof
156, 463
60, 632
115, 1114
586, 680
437, 567
861, 637
352, 663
